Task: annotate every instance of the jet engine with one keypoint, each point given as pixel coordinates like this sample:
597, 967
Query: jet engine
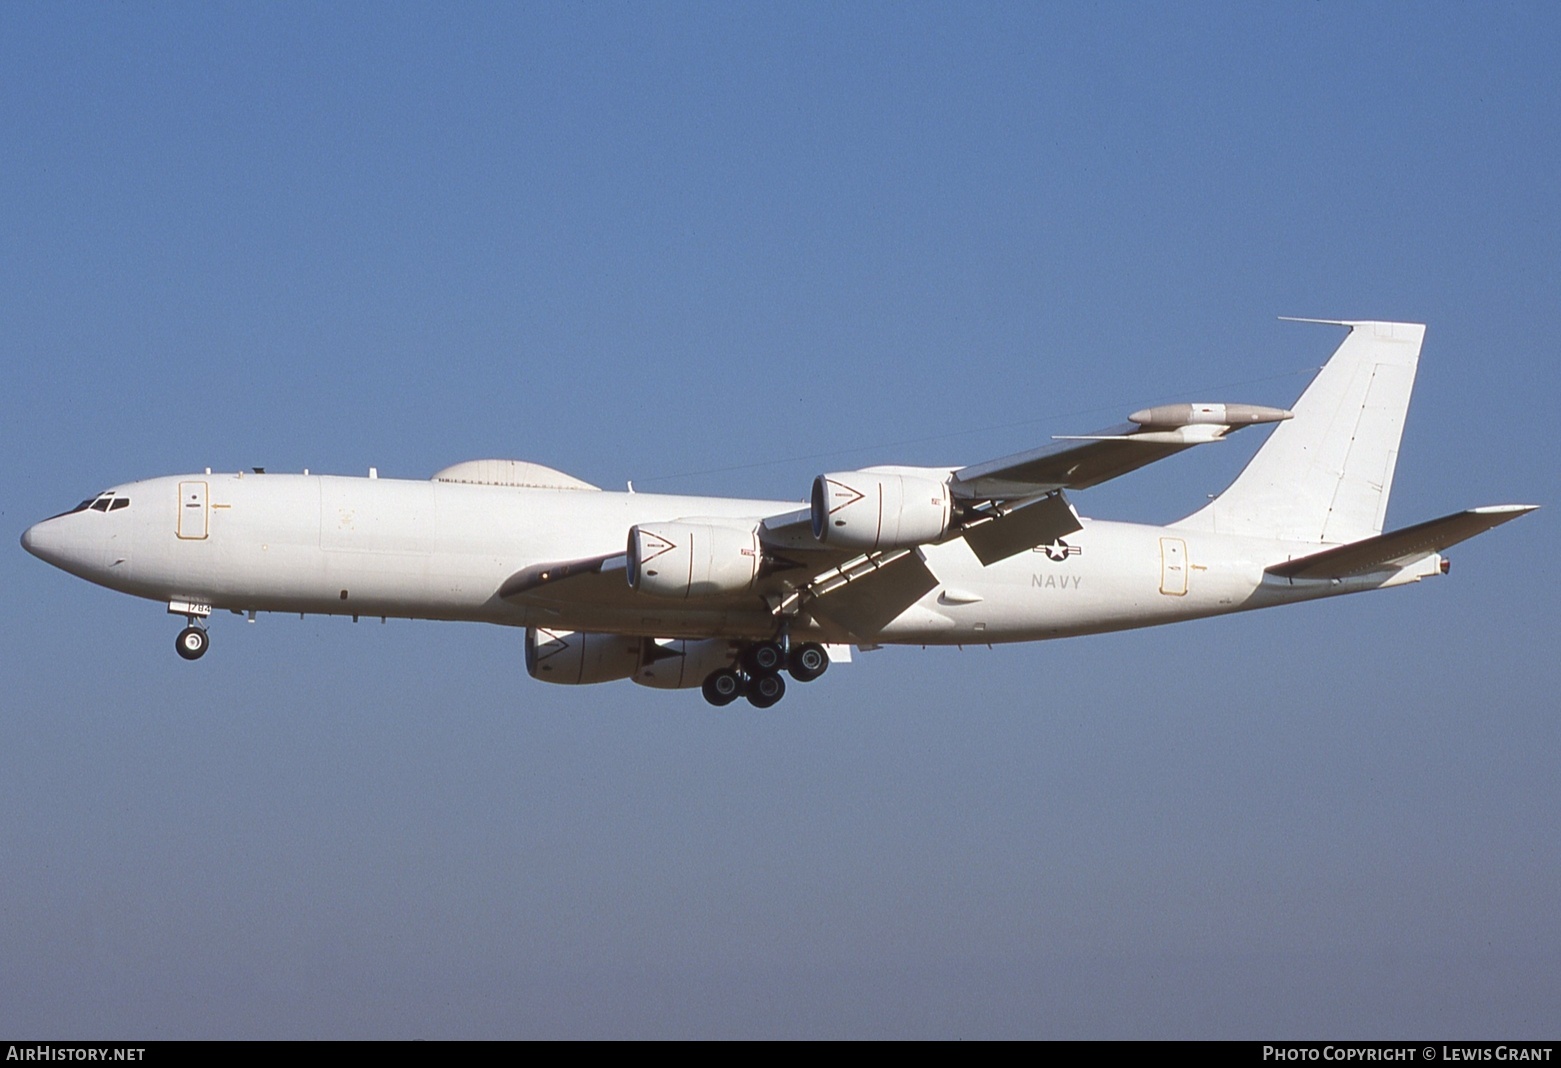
692, 559
573, 658
869, 510
675, 664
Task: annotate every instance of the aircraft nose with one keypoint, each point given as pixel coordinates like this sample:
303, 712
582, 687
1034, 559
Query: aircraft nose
47, 542
55, 542
71, 543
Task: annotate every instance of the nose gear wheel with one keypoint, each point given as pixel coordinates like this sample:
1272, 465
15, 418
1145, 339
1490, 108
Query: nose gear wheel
192, 642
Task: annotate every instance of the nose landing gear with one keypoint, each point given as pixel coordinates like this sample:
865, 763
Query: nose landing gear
192, 642
193, 639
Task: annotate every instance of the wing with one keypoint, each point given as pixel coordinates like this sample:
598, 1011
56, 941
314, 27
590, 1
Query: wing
1085, 460
1003, 506
1000, 508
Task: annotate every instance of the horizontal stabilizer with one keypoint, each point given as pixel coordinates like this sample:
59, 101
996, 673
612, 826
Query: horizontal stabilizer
1399, 548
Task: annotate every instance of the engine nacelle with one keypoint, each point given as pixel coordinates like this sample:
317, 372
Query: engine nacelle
871, 510
692, 559
574, 658
675, 664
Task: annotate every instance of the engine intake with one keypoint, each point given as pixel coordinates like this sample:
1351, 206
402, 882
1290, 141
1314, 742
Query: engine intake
870, 510
692, 559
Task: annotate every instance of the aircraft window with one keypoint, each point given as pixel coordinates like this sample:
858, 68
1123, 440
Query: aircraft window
82, 507
103, 502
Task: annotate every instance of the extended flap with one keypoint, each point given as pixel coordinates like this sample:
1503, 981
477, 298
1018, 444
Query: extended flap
1021, 529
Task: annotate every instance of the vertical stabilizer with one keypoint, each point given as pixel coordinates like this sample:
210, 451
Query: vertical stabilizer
1324, 476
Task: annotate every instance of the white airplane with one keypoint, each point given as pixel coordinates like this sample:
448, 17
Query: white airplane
727, 594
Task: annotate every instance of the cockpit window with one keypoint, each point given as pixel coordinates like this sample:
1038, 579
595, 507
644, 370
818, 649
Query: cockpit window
103, 502
106, 501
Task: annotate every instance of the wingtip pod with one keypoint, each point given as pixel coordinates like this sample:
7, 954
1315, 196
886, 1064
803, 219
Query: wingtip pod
1510, 510
1174, 416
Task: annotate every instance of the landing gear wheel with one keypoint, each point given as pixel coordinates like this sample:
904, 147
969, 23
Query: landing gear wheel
765, 690
764, 658
807, 661
192, 643
722, 687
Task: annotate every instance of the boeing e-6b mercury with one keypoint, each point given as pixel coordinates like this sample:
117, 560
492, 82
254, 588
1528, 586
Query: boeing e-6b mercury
726, 594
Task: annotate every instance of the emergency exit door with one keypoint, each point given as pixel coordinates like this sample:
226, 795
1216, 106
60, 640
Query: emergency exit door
192, 511
1173, 566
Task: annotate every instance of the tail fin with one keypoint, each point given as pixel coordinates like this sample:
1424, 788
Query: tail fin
1324, 476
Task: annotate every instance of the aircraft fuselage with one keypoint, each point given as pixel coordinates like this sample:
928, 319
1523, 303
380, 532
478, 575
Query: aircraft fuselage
437, 550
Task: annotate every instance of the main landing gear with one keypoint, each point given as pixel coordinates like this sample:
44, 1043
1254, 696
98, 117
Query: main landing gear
757, 674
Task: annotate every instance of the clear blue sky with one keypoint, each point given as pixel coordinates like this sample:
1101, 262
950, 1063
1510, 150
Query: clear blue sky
721, 247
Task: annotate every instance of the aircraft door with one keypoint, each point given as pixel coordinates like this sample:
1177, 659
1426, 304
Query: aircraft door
1173, 567
192, 511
